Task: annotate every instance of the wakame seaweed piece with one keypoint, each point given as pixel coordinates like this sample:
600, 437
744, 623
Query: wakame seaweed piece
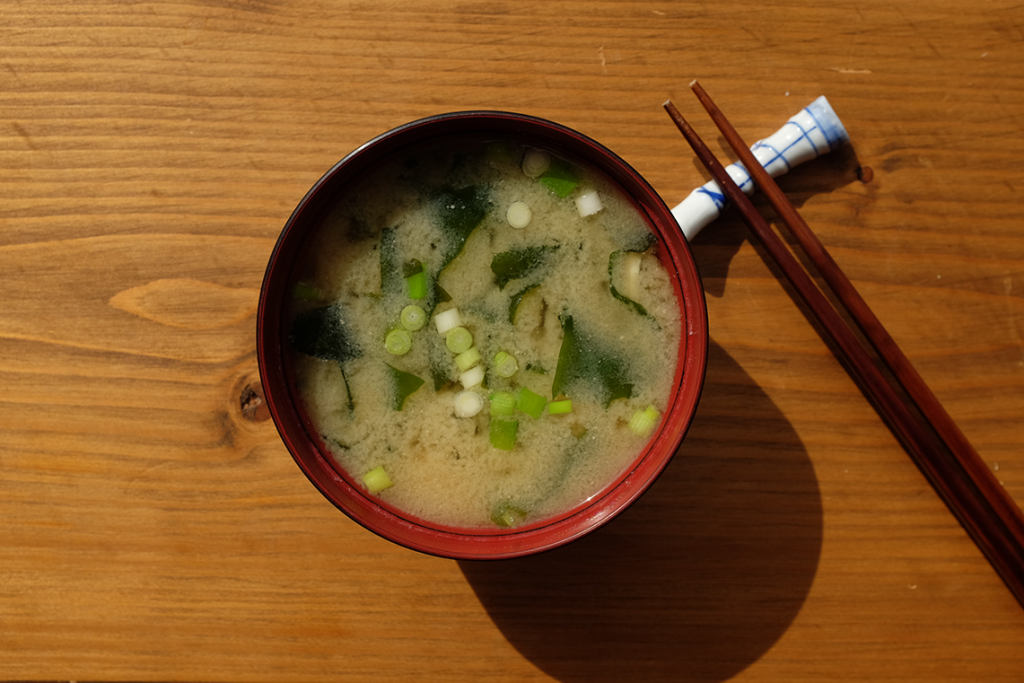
614, 260
412, 267
439, 376
646, 242
560, 178
516, 300
304, 290
392, 279
508, 513
440, 294
358, 231
499, 152
349, 401
518, 263
335, 442
323, 333
404, 385
460, 212
638, 243
459, 165
439, 361
580, 361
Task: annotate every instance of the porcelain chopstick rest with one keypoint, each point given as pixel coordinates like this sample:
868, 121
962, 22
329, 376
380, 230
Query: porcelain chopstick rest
807, 135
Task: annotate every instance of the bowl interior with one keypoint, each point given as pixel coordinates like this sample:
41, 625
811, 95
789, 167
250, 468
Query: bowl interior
303, 441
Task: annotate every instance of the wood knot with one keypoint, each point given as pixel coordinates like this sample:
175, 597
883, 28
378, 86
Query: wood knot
254, 403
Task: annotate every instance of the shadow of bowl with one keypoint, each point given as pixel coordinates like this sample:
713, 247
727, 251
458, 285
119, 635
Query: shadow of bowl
698, 579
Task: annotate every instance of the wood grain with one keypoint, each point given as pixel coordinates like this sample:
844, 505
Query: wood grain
151, 152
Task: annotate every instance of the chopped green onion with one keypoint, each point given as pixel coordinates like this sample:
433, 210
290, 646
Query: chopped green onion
530, 403
518, 214
589, 203
447, 320
536, 162
503, 433
503, 404
467, 359
472, 377
560, 407
308, 292
377, 480
413, 317
468, 403
642, 422
416, 284
631, 262
458, 340
507, 515
505, 364
398, 342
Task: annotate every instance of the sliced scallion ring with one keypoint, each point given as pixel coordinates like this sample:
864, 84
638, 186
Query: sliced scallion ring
413, 317
398, 342
458, 340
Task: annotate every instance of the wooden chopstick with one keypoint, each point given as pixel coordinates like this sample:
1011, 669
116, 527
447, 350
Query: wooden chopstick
872, 328
981, 505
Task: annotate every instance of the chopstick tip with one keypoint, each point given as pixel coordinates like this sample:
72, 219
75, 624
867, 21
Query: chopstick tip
693, 82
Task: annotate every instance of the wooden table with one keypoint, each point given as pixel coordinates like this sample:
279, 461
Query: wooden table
150, 529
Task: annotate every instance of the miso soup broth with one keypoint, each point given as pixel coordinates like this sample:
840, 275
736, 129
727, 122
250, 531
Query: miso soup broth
483, 333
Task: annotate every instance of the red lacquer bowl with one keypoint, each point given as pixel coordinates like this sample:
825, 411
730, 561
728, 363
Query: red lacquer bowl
343, 489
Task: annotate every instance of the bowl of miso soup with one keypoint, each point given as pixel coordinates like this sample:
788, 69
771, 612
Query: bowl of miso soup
481, 335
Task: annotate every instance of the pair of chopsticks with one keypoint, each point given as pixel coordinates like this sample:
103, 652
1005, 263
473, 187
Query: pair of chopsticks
931, 437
